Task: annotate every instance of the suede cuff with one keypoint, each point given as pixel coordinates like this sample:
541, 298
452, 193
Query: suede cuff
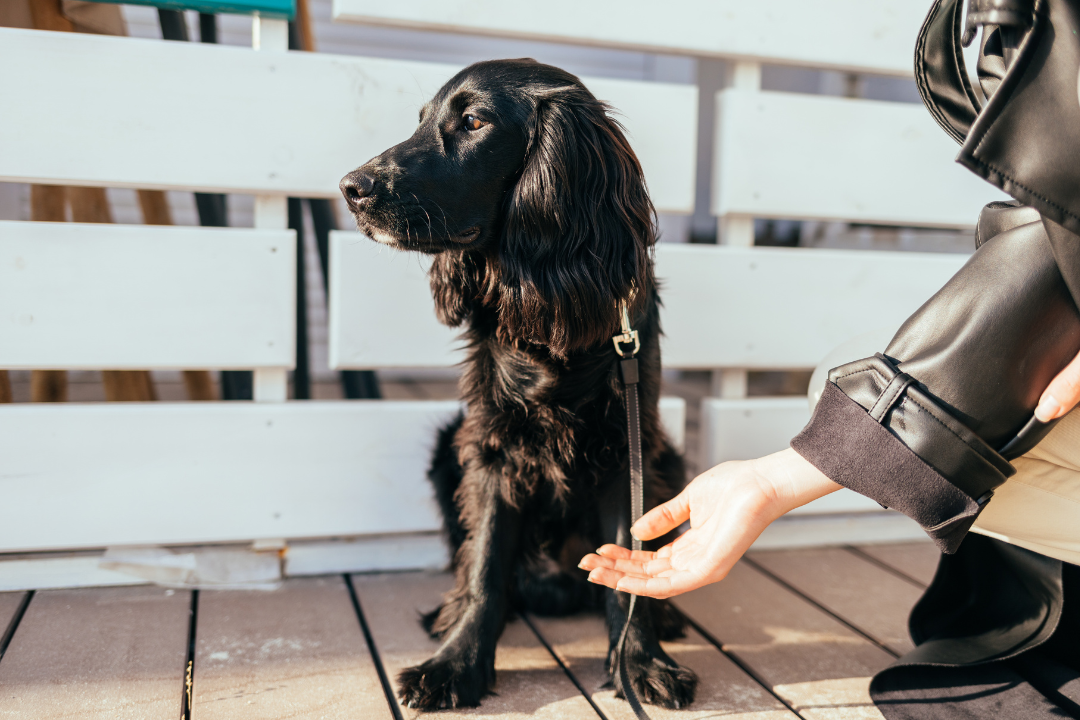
853, 449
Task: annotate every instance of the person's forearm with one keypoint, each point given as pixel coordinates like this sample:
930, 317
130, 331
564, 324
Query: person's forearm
794, 481
928, 428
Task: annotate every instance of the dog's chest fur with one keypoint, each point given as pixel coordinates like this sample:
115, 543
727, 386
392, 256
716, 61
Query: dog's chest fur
546, 424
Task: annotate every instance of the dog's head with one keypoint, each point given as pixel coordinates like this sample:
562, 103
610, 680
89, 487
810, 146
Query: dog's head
528, 192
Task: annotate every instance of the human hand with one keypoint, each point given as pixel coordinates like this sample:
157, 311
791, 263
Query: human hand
728, 507
1062, 395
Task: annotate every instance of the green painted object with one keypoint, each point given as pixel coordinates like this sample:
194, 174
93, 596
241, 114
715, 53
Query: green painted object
279, 9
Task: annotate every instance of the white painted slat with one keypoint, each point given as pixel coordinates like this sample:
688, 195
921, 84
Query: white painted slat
885, 526
133, 473
380, 310
823, 158
785, 308
80, 476
190, 116
852, 35
49, 571
754, 427
126, 296
673, 419
723, 306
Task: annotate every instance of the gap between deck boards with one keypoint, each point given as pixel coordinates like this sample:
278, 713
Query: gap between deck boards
783, 637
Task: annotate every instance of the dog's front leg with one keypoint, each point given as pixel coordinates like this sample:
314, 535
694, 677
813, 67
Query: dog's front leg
655, 677
473, 615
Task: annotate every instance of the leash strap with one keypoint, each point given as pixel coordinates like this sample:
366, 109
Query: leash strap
628, 368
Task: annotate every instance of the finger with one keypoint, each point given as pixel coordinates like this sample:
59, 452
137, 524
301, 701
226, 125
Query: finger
618, 552
659, 588
1062, 395
654, 568
630, 567
593, 561
603, 576
663, 518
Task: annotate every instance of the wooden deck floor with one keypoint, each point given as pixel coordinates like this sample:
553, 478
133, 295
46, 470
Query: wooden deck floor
794, 633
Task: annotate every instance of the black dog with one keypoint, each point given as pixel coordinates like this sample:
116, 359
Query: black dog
532, 202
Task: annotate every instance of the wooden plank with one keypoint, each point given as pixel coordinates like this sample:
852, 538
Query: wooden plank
413, 551
673, 420
59, 570
529, 681
226, 103
822, 158
872, 599
769, 308
261, 470
917, 560
201, 298
838, 34
723, 688
816, 664
723, 306
104, 653
405, 333
297, 651
824, 530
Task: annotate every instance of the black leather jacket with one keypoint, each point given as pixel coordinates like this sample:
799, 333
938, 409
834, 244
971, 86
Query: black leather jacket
929, 425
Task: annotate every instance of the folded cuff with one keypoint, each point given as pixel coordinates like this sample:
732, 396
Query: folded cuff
858, 449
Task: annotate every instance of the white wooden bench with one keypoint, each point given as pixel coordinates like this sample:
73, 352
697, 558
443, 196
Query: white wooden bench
170, 116
103, 111
777, 155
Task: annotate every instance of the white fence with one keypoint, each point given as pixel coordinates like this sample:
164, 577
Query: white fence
105, 111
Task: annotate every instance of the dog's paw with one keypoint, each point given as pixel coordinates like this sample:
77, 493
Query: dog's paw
659, 681
443, 683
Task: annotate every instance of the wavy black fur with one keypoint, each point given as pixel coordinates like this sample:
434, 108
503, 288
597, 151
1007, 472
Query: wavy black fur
526, 192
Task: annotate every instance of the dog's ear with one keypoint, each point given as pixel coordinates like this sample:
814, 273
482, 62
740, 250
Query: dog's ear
579, 226
455, 279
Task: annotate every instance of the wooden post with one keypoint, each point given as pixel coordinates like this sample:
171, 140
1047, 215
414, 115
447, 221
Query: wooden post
5, 387
48, 15
48, 203
155, 207
271, 211
737, 231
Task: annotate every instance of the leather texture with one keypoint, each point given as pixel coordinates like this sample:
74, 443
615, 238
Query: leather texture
958, 384
940, 73
1026, 137
1000, 612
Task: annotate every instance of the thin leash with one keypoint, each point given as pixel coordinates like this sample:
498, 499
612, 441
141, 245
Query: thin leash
628, 369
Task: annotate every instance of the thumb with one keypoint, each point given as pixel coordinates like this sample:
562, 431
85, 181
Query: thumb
1062, 395
663, 518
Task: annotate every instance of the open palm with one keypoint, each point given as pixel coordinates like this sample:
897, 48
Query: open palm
728, 507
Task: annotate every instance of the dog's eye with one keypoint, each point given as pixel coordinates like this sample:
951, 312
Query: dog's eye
473, 123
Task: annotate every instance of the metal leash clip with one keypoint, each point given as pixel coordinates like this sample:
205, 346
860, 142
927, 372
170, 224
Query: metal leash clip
628, 336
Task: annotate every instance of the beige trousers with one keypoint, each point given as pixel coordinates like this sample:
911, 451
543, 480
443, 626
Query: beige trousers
1038, 508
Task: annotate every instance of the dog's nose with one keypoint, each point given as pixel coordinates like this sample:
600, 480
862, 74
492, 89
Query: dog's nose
356, 186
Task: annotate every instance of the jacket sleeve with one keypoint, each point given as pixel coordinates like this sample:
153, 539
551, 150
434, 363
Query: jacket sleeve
928, 426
